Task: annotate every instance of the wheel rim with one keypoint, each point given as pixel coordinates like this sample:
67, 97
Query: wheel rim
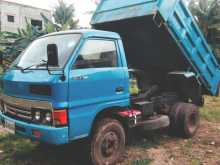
193, 122
109, 145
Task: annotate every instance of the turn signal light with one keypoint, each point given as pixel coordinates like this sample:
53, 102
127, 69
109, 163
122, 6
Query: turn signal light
60, 117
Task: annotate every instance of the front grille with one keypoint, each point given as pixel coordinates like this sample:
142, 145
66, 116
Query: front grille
16, 112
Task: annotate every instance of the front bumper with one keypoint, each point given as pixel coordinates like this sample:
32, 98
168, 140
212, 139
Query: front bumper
49, 135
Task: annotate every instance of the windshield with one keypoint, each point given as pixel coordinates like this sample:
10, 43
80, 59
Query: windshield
36, 54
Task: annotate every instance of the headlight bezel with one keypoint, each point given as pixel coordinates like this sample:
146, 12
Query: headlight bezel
42, 117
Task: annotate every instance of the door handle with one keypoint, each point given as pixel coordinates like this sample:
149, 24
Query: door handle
80, 77
119, 89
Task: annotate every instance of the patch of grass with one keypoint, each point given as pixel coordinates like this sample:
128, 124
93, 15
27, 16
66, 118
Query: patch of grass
189, 143
211, 110
186, 148
187, 151
195, 161
210, 114
146, 144
141, 162
13, 149
150, 141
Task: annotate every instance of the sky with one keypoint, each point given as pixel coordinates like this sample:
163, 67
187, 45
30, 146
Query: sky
81, 7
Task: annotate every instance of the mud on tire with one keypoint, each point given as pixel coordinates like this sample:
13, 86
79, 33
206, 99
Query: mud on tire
108, 142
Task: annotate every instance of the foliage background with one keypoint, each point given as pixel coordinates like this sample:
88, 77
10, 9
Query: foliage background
12, 44
207, 14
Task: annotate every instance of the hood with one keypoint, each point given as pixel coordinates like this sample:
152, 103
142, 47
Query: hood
36, 85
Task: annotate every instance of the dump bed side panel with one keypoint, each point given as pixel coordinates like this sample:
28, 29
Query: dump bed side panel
179, 23
115, 10
190, 39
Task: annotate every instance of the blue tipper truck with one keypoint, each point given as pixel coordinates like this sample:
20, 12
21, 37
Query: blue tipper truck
145, 66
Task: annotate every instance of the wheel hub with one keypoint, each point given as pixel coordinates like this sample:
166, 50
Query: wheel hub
110, 144
192, 123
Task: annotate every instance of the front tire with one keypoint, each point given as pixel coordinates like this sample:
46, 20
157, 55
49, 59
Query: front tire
108, 142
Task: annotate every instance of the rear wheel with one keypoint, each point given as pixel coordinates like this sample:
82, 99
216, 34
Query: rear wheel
108, 142
184, 120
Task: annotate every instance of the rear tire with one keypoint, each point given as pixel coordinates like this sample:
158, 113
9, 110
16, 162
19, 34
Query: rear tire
108, 142
184, 120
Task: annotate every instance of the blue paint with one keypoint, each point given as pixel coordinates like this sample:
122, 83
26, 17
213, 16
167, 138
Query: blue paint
50, 135
17, 84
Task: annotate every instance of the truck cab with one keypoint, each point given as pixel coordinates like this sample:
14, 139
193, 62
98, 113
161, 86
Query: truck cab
59, 103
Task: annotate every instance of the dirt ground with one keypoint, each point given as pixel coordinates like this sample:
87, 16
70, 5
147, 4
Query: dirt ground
161, 149
155, 148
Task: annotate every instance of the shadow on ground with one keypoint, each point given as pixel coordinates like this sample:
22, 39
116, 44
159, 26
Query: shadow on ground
18, 151
73, 154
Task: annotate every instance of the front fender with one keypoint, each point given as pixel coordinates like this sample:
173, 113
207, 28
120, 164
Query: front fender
81, 119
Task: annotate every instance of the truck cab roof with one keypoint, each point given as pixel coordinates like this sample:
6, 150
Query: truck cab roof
87, 33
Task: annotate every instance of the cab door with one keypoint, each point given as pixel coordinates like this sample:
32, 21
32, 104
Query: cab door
97, 79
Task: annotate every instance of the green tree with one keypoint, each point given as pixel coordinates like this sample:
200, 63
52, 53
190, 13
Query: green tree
12, 44
207, 13
64, 16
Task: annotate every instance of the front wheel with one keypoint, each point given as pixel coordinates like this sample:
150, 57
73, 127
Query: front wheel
108, 142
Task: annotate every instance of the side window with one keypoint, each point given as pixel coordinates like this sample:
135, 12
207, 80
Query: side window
97, 54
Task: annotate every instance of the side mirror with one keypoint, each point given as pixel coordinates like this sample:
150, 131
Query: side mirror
52, 55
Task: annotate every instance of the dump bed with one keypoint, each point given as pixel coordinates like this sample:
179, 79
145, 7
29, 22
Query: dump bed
161, 34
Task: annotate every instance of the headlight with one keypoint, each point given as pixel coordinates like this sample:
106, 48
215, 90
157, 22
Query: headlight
48, 117
42, 116
37, 116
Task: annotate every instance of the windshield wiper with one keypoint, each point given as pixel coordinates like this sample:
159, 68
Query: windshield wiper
44, 63
27, 68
